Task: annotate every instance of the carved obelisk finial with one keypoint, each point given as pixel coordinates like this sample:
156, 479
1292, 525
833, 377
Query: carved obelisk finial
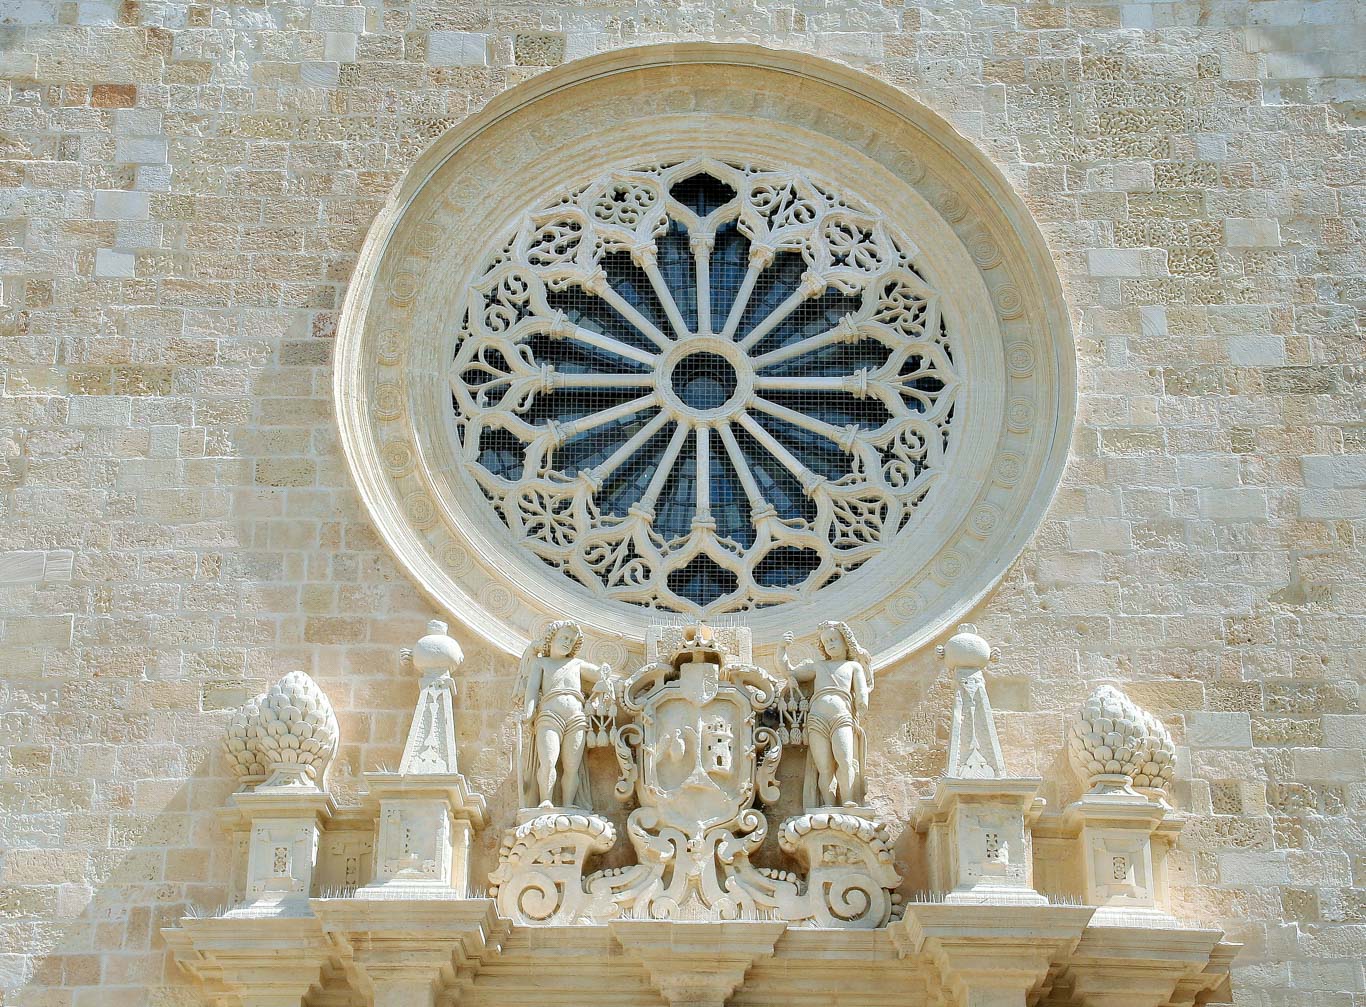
431, 738
974, 749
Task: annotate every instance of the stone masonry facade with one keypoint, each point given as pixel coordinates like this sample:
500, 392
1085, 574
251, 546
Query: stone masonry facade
185, 190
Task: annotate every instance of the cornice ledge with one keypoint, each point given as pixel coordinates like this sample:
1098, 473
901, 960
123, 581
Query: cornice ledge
251, 955
453, 788
1212, 983
1144, 966
437, 942
472, 926
1020, 791
991, 945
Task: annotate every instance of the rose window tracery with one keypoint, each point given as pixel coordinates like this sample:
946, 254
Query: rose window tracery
704, 387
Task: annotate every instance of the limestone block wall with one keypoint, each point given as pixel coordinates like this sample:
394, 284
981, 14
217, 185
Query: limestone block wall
185, 189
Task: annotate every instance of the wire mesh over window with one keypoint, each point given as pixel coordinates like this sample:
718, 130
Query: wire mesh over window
704, 387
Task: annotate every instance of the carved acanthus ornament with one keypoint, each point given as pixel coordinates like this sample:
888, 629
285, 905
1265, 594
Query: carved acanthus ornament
539, 877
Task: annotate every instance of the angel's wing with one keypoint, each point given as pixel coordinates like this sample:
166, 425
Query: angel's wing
524, 670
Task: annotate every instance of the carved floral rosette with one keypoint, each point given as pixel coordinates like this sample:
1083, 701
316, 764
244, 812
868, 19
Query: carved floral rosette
540, 874
851, 881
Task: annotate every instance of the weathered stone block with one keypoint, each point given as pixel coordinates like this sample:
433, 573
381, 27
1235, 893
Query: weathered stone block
457, 48
1245, 232
118, 204
1219, 730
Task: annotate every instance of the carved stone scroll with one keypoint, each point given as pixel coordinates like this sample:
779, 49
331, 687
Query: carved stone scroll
540, 874
851, 880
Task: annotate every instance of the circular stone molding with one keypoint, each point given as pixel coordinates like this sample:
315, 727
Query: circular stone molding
538, 355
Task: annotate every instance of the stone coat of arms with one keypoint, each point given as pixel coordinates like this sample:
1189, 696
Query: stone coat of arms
695, 757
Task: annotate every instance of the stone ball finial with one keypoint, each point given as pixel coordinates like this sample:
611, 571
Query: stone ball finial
966, 650
1112, 743
297, 735
437, 651
239, 743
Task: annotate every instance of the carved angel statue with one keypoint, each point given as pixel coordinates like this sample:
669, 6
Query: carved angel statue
842, 680
554, 717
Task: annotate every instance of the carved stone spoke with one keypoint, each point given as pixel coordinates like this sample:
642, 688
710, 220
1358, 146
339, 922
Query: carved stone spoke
708, 347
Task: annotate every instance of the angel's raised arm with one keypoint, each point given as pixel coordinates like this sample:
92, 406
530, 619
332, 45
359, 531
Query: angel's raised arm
803, 672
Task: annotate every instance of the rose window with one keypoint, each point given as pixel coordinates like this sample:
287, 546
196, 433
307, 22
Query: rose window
704, 387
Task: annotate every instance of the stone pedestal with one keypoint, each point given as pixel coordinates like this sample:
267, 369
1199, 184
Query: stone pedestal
283, 827
978, 839
1122, 840
423, 828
